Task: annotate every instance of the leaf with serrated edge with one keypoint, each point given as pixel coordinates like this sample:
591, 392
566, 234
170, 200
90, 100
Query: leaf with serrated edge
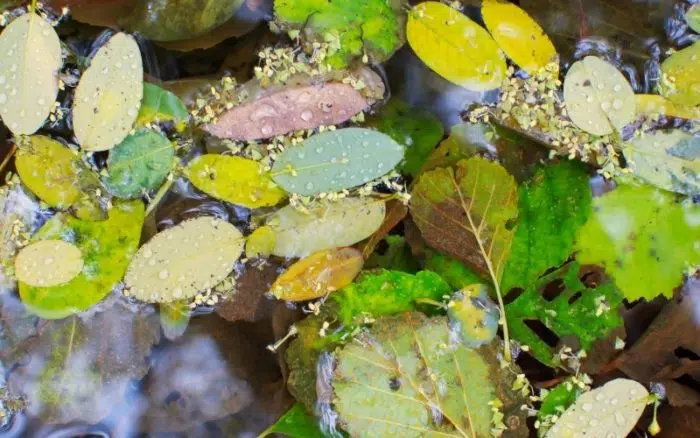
108, 96
48, 263
31, 54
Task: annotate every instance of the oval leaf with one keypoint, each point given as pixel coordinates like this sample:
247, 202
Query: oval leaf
455, 47
139, 164
48, 263
520, 37
326, 225
681, 76
109, 94
318, 274
598, 97
336, 160
160, 105
31, 54
234, 179
181, 261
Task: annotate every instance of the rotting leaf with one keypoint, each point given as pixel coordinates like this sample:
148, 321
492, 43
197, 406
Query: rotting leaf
336, 160
174, 318
29, 73
249, 301
598, 98
178, 262
473, 315
106, 247
234, 179
48, 263
295, 423
108, 96
318, 274
681, 76
643, 237
160, 105
380, 390
326, 225
455, 47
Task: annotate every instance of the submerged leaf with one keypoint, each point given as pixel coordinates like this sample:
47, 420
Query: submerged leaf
295, 423
336, 160
179, 262
48, 263
681, 81
174, 318
31, 54
160, 105
455, 47
109, 93
473, 315
234, 179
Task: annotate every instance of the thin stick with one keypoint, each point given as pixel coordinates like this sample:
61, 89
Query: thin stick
8, 158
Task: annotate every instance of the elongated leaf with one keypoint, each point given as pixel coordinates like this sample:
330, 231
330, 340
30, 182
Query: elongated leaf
598, 98
234, 179
653, 104
455, 47
109, 94
645, 238
669, 160
174, 318
160, 105
179, 262
520, 37
106, 247
327, 225
681, 81
48, 263
28, 73
380, 389
336, 160
139, 164
295, 423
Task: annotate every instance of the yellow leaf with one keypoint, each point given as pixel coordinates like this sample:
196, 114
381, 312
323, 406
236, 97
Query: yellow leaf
31, 57
48, 263
234, 179
108, 97
261, 242
681, 76
520, 37
455, 47
652, 104
318, 274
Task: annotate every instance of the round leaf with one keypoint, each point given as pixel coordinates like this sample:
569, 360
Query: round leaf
681, 80
598, 97
31, 54
336, 160
160, 105
455, 47
181, 261
48, 263
109, 94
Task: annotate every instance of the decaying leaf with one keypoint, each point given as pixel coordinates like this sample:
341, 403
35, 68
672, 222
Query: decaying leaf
160, 105
31, 54
455, 47
295, 423
652, 104
318, 274
380, 388
109, 93
249, 301
48, 263
598, 98
234, 179
326, 225
473, 315
261, 242
174, 318
681, 81
336, 160
611, 410
643, 237
181, 261
520, 37
106, 247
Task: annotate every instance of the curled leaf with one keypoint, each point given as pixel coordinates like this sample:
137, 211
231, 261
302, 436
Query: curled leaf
681, 76
160, 105
48, 263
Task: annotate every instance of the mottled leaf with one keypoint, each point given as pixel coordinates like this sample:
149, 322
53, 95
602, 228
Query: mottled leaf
652, 104
692, 17
160, 105
473, 316
336, 160
48, 263
174, 318
455, 47
681, 81
295, 423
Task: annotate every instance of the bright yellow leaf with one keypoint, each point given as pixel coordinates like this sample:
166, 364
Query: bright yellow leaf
653, 104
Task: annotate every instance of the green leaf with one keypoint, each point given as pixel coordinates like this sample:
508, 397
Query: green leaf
139, 164
106, 246
681, 76
591, 314
381, 387
669, 160
692, 17
454, 272
556, 402
295, 423
553, 206
645, 239
174, 318
415, 128
335, 160
352, 28
397, 256
160, 105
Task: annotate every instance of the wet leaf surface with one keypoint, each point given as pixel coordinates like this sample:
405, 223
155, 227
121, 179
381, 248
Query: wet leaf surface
295, 423
473, 315
48, 263
160, 105
682, 72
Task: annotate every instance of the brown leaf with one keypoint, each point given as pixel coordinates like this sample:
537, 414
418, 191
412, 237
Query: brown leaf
680, 395
395, 212
679, 422
249, 302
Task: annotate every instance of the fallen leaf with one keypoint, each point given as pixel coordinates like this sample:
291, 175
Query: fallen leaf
16, 326
679, 422
396, 256
249, 301
454, 272
692, 17
518, 35
108, 96
234, 179
103, 13
160, 105
318, 274
181, 261
243, 22
557, 400
174, 318
455, 47
651, 105
29, 73
261, 242
680, 83
106, 247
295, 423
396, 210
48, 263
598, 98
326, 225
473, 316
643, 237
336, 160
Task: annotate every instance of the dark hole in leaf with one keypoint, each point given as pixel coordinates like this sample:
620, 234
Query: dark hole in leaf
689, 381
394, 384
684, 353
549, 337
591, 276
575, 298
553, 289
511, 223
382, 247
513, 295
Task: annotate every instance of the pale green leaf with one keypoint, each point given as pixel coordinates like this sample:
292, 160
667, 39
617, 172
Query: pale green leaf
174, 318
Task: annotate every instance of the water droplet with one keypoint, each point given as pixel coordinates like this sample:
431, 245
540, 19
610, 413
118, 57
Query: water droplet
380, 165
600, 396
589, 99
600, 86
266, 130
617, 88
614, 401
319, 150
365, 156
309, 186
41, 101
593, 423
307, 115
617, 104
587, 407
301, 155
131, 112
48, 260
334, 160
605, 106
611, 435
619, 419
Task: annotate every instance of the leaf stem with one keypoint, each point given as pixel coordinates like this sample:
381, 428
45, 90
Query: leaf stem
8, 157
160, 194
